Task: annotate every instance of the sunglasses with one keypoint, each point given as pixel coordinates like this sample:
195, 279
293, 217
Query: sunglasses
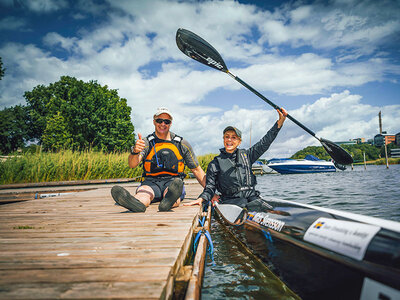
166, 121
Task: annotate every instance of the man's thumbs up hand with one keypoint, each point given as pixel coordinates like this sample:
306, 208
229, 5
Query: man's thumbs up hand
139, 146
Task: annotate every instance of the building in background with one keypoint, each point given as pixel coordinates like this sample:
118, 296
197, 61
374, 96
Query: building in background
384, 139
397, 139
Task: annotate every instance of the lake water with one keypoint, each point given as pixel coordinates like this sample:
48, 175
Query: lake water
236, 275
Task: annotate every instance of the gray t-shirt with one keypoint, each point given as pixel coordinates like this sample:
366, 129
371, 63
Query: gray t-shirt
189, 157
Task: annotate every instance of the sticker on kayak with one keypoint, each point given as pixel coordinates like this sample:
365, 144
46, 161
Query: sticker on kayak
374, 290
344, 237
264, 219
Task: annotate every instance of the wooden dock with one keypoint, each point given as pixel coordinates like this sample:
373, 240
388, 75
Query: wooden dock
83, 246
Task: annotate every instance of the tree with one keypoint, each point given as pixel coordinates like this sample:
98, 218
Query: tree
15, 128
356, 151
55, 135
90, 115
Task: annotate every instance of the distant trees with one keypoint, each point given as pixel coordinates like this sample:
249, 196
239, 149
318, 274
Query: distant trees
313, 150
356, 151
70, 114
15, 128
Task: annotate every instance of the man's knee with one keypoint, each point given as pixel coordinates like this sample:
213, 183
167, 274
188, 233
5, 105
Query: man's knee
145, 194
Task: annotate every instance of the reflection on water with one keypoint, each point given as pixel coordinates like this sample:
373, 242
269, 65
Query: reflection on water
373, 192
237, 274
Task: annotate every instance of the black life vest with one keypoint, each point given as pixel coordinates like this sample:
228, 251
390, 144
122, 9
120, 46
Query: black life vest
165, 158
236, 178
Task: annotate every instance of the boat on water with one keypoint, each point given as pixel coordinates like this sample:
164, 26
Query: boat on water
310, 164
322, 253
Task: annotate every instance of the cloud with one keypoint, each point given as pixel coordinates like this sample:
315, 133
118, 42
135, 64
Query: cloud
26, 67
12, 23
43, 6
356, 25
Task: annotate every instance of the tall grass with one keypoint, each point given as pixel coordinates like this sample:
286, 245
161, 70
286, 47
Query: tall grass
67, 165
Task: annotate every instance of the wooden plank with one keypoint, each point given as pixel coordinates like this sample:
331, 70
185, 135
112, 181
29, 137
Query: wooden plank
85, 262
143, 274
83, 290
82, 246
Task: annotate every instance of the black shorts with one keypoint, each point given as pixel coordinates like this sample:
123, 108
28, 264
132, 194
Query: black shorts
158, 185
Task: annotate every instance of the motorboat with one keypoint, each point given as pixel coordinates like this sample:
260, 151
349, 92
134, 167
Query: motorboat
310, 164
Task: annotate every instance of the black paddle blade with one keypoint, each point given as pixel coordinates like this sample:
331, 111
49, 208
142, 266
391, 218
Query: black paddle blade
338, 154
198, 49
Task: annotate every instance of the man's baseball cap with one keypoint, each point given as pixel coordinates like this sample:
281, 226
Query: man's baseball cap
237, 131
163, 110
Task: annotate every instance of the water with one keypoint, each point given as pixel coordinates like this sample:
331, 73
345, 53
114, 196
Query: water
237, 275
373, 192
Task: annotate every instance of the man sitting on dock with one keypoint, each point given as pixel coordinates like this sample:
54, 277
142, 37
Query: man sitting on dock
164, 155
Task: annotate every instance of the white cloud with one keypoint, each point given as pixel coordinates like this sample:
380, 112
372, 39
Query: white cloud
360, 25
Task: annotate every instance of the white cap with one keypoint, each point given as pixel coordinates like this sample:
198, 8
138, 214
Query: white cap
163, 110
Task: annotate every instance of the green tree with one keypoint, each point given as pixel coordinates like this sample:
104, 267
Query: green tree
91, 115
15, 128
356, 151
312, 150
56, 136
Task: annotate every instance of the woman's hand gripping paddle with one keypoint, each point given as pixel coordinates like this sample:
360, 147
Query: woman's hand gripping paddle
197, 48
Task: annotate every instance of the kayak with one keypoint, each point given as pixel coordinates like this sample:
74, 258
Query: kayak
322, 253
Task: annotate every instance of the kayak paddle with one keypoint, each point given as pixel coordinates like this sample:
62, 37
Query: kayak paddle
232, 214
197, 48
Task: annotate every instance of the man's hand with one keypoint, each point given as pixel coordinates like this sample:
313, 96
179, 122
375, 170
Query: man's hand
140, 145
194, 202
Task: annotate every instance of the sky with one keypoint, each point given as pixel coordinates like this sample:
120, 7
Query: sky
332, 64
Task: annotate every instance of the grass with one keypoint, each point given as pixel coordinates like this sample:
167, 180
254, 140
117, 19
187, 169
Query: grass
67, 165
381, 161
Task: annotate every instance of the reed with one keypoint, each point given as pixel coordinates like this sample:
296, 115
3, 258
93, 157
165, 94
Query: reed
67, 165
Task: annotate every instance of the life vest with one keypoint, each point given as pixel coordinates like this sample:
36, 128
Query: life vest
236, 179
165, 158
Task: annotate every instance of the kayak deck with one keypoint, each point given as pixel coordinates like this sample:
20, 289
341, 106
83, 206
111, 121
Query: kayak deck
312, 267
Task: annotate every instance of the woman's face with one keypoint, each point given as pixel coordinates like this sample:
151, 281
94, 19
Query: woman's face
231, 141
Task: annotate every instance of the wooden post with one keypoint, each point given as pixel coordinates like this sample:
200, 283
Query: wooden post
365, 164
384, 139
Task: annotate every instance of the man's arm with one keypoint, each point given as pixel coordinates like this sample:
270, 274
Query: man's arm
191, 161
134, 160
200, 175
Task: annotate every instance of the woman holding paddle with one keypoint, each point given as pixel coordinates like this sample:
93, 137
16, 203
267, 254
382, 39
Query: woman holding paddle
230, 172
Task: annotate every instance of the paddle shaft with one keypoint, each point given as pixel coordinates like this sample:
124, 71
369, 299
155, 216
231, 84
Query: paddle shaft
271, 103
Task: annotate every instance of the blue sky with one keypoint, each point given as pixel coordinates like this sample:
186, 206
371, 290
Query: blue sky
333, 64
